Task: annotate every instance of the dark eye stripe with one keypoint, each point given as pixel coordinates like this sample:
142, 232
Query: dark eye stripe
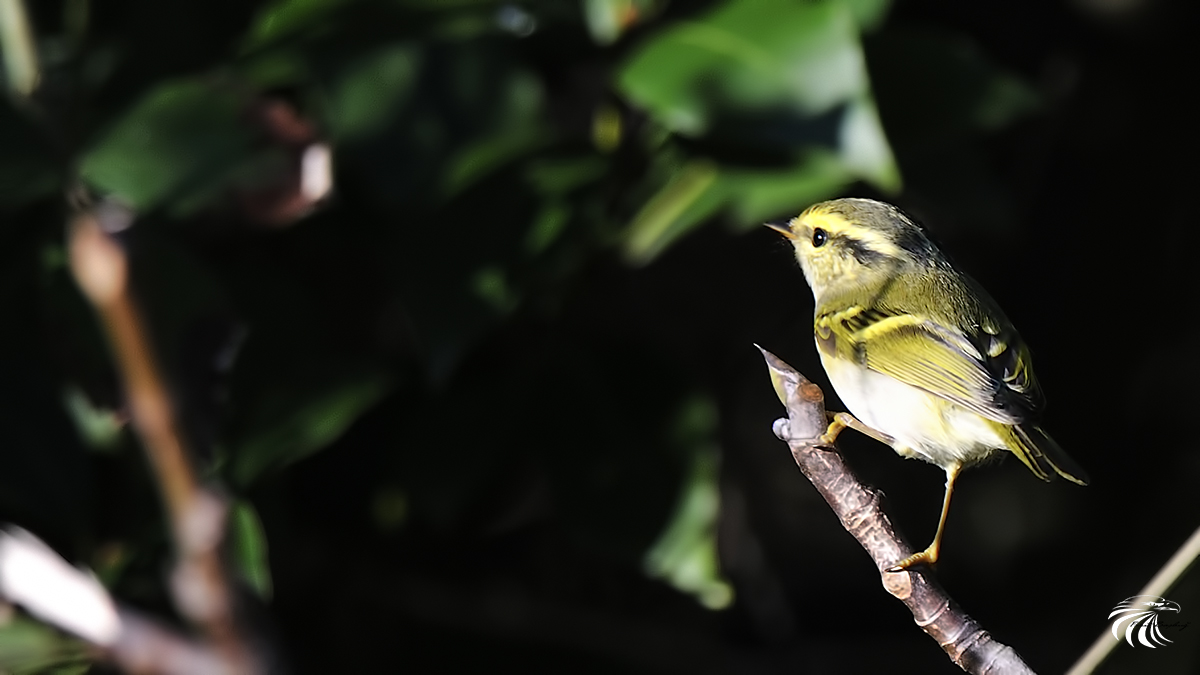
864, 254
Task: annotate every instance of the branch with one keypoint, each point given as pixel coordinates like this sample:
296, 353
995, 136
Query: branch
34, 576
18, 49
858, 508
197, 516
1162, 582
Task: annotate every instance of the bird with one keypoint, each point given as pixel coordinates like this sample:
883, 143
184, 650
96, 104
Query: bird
922, 356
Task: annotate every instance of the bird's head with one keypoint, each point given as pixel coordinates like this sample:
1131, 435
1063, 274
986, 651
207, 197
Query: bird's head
848, 243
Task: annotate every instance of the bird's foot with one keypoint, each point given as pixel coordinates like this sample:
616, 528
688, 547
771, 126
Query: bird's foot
927, 557
839, 422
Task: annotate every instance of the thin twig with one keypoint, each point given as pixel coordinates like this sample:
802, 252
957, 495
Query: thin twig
34, 576
18, 49
1162, 582
200, 585
858, 507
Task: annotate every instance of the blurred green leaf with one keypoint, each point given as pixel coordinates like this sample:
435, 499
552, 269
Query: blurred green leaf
682, 203
557, 176
99, 428
27, 646
748, 55
179, 143
604, 18
864, 148
547, 226
287, 423
777, 95
607, 20
751, 195
937, 86
491, 286
249, 548
509, 125
685, 555
370, 92
868, 14
489, 153
758, 194
284, 18
942, 96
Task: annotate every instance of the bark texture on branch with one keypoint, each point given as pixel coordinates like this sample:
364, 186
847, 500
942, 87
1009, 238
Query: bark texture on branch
200, 583
858, 507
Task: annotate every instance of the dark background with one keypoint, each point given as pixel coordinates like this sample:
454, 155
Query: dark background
496, 401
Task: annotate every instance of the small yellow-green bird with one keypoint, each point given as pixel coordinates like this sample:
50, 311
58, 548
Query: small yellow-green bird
917, 350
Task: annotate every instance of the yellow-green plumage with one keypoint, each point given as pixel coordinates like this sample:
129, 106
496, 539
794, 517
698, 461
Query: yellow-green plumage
917, 350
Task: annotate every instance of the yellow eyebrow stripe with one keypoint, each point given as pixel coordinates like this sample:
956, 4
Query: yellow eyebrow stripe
838, 225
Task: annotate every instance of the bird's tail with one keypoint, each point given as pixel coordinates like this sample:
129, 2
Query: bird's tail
1037, 451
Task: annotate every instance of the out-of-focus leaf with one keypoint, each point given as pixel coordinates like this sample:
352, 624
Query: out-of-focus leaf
489, 153
249, 548
370, 92
868, 14
682, 203
287, 17
748, 55
604, 18
278, 68
558, 176
607, 20
766, 88
27, 646
492, 287
510, 127
27, 167
758, 194
751, 195
547, 226
291, 422
685, 555
941, 95
936, 85
182, 140
864, 148
99, 428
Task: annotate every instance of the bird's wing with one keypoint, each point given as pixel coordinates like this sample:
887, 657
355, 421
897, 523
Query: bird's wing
984, 373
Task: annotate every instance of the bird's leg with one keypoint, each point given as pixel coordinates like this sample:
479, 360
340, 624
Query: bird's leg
930, 555
841, 421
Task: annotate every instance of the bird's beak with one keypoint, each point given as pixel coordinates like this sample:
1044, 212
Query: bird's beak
782, 228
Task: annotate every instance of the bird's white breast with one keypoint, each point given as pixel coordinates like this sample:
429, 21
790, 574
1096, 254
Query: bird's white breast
924, 426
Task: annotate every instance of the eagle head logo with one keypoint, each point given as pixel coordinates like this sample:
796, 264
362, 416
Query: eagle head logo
1141, 612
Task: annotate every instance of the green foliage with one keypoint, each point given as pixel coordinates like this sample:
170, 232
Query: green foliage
27, 646
785, 81
686, 553
297, 416
942, 98
500, 359
371, 92
177, 146
248, 542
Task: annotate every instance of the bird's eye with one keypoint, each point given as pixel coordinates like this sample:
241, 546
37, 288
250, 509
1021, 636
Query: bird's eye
819, 238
